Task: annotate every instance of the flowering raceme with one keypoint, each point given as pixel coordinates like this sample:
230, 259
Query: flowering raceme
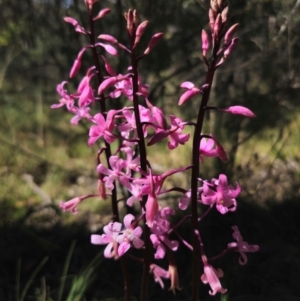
123, 137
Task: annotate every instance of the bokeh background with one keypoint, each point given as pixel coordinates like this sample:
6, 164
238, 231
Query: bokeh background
46, 255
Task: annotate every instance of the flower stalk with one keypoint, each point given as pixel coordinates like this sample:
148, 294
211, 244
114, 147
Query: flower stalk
151, 232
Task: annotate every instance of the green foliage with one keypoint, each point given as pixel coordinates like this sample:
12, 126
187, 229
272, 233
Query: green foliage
29, 281
74, 291
38, 48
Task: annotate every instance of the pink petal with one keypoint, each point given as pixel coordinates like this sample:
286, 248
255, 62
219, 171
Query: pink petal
184, 202
158, 137
108, 38
123, 248
153, 41
110, 49
139, 32
108, 252
137, 242
223, 183
221, 152
151, 209
211, 276
128, 219
187, 85
99, 119
232, 45
83, 83
77, 64
97, 239
106, 84
188, 95
71, 21
103, 12
108, 67
92, 140
205, 42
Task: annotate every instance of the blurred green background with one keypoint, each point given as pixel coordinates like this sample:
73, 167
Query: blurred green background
44, 159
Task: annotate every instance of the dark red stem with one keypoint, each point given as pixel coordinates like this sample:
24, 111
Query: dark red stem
114, 201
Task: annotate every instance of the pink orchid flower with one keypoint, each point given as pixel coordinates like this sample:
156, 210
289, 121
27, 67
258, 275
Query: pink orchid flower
80, 113
110, 237
241, 246
157, 180
75, 23
207, 149
129, 235
160, 228
66, 99
220, 193
211, 276
174, 134
130, 124
135, 190
160, 244
115, 173
71, 205
103, 128
190, 93
159, 273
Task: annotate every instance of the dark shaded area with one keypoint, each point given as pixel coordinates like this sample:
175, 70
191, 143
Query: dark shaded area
270, 274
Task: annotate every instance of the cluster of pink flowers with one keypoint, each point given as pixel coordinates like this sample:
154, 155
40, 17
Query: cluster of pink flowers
140, 125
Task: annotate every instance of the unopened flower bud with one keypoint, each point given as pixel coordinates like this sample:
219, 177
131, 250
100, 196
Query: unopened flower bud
212, 17
154, 40
101, 188
239, 110
188, 95
75, 23
205, 42
230, 32
108, 67
71, 21
129, 19
107, 83
102, 13
174, 278
108, 38
214, 5
130, 16
224, 14
135, 18
151, 209
221, 3
90, 3
231, 47
77, 64
75, 68
139, 32
217, 25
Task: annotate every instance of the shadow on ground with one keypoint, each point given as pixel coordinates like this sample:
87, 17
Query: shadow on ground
271, 274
